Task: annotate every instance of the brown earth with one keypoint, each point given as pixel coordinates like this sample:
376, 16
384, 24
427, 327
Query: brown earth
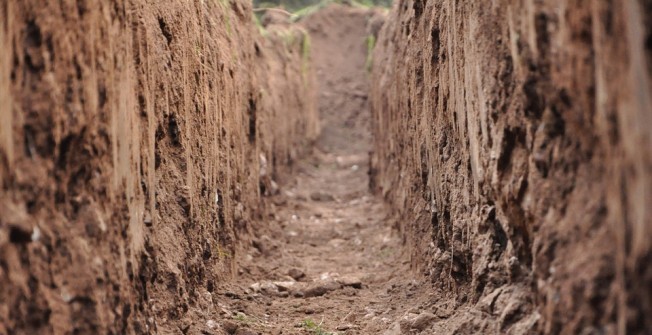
165, 168
514, 139
339, 34
130, 157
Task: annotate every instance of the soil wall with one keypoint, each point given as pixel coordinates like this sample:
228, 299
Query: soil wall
516, 137
131, 143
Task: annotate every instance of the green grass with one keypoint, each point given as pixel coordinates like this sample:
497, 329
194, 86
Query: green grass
314, 328
371, 44
263, 32
305, 56
244, 319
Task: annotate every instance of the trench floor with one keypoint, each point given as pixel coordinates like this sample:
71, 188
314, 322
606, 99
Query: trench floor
329, 262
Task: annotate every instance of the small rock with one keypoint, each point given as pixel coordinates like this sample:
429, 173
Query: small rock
284, 286
321, 196
244, 331
296, 274
345, 327
274, 189
319, 289
351, 281
423, 321
255, 287
394, 330
283, 294
231, 295
230, 327
268, 287
280, 201
307, 310
36, 234
148, 219
211, 324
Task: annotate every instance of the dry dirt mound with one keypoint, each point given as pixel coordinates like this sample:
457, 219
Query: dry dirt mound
131, 137
517, 139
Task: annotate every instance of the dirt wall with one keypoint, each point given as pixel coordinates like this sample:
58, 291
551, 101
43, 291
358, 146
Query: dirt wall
287, 83
131, 137
515, 136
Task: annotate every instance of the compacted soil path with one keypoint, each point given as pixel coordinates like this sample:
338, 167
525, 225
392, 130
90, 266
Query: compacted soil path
330, 259
329, 263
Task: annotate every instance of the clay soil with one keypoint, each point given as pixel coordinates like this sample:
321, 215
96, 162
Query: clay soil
238, 212
329, 257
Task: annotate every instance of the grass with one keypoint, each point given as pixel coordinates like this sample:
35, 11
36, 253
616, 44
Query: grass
314, 328
221, 254
244, 319
263, 32
386, 252
298, 14
371, 44
305, 56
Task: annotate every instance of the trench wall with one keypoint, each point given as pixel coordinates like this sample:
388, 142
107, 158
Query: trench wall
133, 142
516, 138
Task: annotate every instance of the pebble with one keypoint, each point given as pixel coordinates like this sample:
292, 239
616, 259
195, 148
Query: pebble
321, 196
418, 322
230, 327
296, 274
345, 327
319, 289
284, 286
351, 281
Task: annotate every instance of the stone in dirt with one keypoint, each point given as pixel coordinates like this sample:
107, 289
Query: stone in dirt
244, 331
320, 288
230, 327
345, 327
351, 281
321, 196
296, 274
418, 322
284, 286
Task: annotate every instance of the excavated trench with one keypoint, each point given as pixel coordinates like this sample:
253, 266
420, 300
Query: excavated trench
444, 167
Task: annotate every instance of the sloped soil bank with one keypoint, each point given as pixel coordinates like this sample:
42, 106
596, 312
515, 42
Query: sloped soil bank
132, 139
169, 167
514, 139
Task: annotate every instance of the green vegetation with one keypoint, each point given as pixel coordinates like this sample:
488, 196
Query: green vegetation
302, 8
305, 56
296, 5
314, 328
263, 32
244, 319
371, 44
222, 254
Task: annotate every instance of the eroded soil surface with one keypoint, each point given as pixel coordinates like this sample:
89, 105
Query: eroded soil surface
329, 261
330, 257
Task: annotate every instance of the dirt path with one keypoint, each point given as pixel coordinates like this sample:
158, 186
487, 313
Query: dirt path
329, 259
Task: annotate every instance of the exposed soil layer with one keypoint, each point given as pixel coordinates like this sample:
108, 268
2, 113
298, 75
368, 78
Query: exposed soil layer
514, 139
340, 48
132, 156
166, 168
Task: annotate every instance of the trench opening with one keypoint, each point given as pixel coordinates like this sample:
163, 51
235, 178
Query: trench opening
224, 167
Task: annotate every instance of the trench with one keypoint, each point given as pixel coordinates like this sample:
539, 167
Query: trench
437, 167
